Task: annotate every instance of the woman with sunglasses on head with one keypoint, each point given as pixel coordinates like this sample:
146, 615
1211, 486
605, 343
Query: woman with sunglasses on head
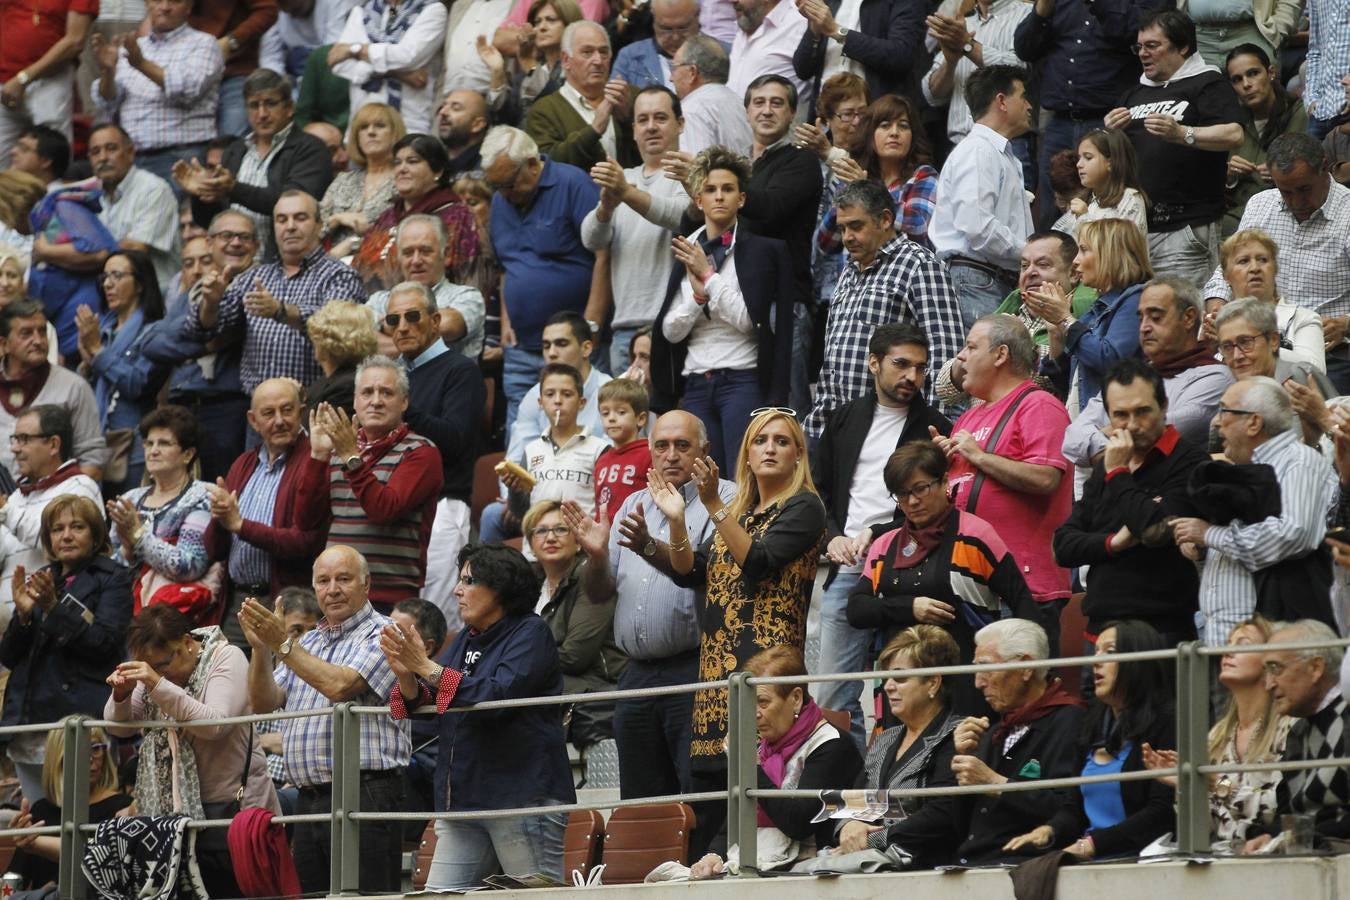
942, 567
343, 335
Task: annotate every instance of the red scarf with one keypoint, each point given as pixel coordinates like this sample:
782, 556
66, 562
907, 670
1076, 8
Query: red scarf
1202, 354
17, 393
68, 469
925, 540
372, 450
774, 756
1053, 696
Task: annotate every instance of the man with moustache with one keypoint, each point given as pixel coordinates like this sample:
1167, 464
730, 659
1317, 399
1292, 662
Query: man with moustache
139, 208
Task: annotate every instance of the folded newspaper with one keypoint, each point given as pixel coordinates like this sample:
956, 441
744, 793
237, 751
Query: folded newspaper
862, 806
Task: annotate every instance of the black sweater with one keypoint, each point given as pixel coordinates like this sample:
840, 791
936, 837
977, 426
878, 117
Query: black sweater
781, 201
446, 408
834, 765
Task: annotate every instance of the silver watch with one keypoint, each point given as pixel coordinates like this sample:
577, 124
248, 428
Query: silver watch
285, 649
1190, 136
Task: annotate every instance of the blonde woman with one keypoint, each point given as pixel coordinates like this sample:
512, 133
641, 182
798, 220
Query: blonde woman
343, 335
357, 197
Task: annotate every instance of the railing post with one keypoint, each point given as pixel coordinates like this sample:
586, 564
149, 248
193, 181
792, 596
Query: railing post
742, 771
345, 865
1192, 749
74, 808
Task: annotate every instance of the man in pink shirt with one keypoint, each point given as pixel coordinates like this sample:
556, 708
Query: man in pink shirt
1006, 463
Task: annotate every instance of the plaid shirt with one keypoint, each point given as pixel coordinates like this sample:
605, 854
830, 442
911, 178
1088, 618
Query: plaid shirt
913, 206
307, 744
906, 283
271, 349
184, 110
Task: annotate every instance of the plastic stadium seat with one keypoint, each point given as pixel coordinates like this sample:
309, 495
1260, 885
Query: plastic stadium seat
640, 838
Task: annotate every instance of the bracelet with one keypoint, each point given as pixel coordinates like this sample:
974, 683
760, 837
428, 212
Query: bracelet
682, 545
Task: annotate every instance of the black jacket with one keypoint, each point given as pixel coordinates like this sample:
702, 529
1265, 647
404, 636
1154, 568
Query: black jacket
834, 765
764, 272
925, 834
888, 42
445, 407
59, 660
782, 201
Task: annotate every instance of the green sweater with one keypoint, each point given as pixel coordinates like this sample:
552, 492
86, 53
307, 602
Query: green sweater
561, 133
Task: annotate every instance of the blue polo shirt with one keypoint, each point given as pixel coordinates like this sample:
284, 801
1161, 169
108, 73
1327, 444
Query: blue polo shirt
539, 247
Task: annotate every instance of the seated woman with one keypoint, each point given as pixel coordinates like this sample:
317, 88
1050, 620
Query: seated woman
1134, 709
582, 626
1250, 262
360, 195
196, 768
798, 750
917, 753
486, 760
343, 335
37, 856
941, 567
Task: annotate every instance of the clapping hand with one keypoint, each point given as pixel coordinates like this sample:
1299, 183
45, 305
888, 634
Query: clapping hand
105, 51
846, 168
1160, 759
127, 519
225, 506
405, 653
633, 533
706, 477
340, 429
812, 137
489, 54
694, 260
608, 174
1048, 301
90, 336
264, 628
665, 495
591, 535
818, 17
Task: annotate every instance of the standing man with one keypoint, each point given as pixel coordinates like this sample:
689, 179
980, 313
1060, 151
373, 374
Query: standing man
712, 111
238, 27
649, 62
981, 215
767, 35
337, 662
965, 46
38, 50
138, 208
847, 465
469, 22
888, 278
1328, 61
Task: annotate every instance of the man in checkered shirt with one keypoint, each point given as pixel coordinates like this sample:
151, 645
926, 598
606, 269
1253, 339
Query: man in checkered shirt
888, 278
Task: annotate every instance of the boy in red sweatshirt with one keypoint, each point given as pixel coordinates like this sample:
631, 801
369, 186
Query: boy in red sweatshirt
621, 469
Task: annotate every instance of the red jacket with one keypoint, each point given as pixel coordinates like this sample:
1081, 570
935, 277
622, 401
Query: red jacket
293, 548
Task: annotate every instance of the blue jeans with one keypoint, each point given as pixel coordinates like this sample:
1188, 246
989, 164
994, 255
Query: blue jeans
468, 851
620, 340
977, 290
1058, 133
231, 118
724, 399
520, 372
843, 648
491, 529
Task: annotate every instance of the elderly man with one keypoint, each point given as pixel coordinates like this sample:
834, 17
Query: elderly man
445, 405
161, 87
41, 442
888, 278
713, 113
1169, 316
337, 662
1256, 423
655, 622
29, 380
1007, 465
374, 486
38, 54
254, 508
587, 119
273, 301
461, 124
1118, 527
536, 195
767, 35
651, 61
639, 208
139, 208
420, 246
1036, 738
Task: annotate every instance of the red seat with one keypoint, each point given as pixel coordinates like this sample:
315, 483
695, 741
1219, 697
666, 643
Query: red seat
485, 487
1072, 624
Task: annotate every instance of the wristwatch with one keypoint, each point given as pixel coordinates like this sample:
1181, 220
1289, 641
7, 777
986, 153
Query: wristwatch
232, 42
352, 463
355, 50
969, 47
650, 549
840, 33
22, 78
721, 514
1190, 136
285, 649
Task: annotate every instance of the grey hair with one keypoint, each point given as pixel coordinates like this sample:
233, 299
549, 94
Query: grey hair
1016, 639
384, 362
514, 144
414, 287
1288, 150
868, 195
423, 219
569, 33
1257, 313
703, 51
262, 81
1311, 630
1184, 293
1008, 331
1269, 400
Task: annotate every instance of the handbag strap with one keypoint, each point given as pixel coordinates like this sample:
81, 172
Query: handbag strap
993, 442
248, 764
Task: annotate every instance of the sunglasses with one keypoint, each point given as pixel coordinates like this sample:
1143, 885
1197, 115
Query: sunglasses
785, 410
412, 317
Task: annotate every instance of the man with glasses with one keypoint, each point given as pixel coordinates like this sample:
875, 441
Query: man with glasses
139, 208
1183, 118
1256, 422
648, 62
713, 114
847, 464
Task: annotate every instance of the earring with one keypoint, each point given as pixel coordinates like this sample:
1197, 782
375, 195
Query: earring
797, 714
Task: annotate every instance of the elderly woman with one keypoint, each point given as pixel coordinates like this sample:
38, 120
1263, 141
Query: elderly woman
194, 768
360, 195
1133, 710
798, 750
582, 626
1250, 261
488, 760
536, 69
58, 640
126, 382
343, 335
161, 527
942, 567
1113, 260
917, 753
390, 51
421, 171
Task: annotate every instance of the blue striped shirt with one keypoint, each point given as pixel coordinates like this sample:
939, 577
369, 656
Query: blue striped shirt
250, 564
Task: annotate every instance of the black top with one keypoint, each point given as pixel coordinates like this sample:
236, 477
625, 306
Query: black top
834, 765
338, 389
446, 408
38, 870
781, 201
888, 42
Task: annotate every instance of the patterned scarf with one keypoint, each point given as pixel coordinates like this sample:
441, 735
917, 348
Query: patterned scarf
166, 776
69, 469
387, 24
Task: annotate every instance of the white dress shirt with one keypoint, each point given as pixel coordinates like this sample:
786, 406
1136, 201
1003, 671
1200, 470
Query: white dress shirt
980, 209
420, 48
713, 114
724, 337
768, 51
463, 68
995, 35
850, 11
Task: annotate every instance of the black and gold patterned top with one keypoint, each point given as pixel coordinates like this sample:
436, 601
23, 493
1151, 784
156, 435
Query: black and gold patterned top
748, 608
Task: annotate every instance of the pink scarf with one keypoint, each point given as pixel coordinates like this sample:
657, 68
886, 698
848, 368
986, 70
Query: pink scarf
773, 757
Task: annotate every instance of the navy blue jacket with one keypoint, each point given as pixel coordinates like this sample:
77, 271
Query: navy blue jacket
165, 342
888, 42
445, 407
508, 757
59, 661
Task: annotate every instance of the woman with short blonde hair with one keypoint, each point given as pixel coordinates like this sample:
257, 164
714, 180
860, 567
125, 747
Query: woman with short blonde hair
343, 335
358, 197
1250, 262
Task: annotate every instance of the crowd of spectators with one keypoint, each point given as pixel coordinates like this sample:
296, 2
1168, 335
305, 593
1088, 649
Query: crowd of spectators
810, 336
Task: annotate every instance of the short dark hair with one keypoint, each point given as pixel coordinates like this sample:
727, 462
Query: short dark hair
1288, 150
871, 195
52, 146
427, 619
773, 79
984, 86
1126, 372
504, 571
430, 149
890, 334
54, 421
1176, 26
662, 89
296, 599
913, 457
178, 420
581, 329
1068, 247
143, 272
262, 81
155, 626
1248, 49
565, 371
19, 309
100, 126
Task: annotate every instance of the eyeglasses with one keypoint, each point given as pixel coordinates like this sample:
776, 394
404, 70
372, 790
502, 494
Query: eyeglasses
918, 492
115, 277
265, 103
1237, 412
23, 440
1150, 46
785, 410
412, 317
556, 531
1244, 343
232, 236
847, 115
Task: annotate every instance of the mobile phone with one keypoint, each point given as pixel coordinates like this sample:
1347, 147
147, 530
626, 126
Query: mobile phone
1339, 533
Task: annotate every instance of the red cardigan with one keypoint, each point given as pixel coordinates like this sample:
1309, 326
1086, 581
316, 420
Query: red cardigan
293, 548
